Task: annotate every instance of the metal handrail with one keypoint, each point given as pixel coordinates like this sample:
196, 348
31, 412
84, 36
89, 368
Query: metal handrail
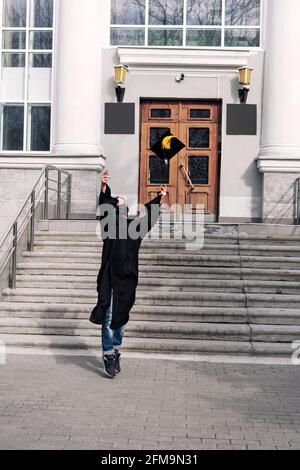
297, 201
28, 212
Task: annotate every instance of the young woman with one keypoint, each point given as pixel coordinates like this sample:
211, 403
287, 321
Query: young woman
118, 275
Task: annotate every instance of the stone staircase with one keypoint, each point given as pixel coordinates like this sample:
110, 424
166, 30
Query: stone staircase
240, 294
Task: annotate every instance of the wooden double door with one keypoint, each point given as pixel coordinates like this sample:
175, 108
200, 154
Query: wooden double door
192, 176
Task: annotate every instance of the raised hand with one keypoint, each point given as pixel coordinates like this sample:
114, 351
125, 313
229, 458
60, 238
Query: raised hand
163, 191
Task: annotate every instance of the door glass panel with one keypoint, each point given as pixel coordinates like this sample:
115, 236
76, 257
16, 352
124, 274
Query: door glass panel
198, 137
156, 133
158, 171
160, 113
199, 113
199, 169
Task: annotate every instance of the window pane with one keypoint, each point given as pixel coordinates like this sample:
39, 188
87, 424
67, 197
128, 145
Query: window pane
14, 13
40, 128
203, 37
198, 137
14, 40
39, 78
11, 59
127, 12
158, 171
40, 60
13, 127
160, 113
156, 133
165, 37
127, 37
166, 12
243, 12
43, 14
198, 169
204, 13
13, 77
242, 37
200, 113
41, 40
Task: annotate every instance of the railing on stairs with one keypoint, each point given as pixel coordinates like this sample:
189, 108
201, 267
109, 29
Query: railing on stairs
22, 230
297, 205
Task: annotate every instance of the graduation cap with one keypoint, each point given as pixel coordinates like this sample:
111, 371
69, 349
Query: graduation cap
167, 146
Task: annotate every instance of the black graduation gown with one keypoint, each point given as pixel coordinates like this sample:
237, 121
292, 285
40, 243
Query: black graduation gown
119, 266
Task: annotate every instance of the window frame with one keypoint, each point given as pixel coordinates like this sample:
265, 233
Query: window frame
26, 102
223, 27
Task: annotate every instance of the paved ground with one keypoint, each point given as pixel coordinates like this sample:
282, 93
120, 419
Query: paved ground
65, 402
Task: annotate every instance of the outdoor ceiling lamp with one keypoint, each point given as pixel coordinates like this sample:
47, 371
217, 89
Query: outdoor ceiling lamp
245, 76
120, 79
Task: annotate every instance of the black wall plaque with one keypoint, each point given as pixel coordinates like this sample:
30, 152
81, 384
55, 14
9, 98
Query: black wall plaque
119, 118
241, 119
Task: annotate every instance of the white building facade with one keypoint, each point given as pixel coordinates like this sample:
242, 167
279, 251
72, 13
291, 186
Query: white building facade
57, 78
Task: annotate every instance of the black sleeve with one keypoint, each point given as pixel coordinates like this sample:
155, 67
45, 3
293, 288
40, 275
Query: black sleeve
152, 214
105, 198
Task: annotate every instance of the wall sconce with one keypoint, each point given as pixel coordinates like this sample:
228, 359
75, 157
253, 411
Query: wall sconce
245, 76
120, 79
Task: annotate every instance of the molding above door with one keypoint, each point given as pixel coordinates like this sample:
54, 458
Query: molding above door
184, 57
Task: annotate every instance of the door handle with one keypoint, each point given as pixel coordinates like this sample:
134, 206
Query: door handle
187, 176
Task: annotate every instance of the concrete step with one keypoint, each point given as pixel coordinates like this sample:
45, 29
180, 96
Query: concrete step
210, 238
239, 294
182, 259
75, 282
143, 297
152, 345
148, 329
151, 329
156, 246
181, 272
257, 315
212, 299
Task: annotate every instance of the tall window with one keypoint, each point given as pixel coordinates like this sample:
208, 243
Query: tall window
186, 23
26, 74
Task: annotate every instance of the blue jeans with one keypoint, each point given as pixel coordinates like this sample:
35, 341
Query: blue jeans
111, 339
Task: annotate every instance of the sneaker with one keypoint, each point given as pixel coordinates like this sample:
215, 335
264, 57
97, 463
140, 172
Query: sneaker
109, 365
117, 361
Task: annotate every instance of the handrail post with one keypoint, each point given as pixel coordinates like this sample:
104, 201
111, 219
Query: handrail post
46, 199
14, 256
298, 201
58, 194
32, 222
69, 196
